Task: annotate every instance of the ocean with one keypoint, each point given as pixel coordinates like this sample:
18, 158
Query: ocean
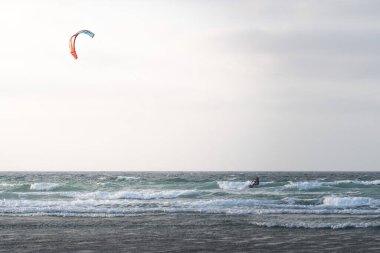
219, 204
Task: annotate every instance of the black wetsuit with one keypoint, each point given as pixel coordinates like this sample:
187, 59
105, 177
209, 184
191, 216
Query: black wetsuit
254, 182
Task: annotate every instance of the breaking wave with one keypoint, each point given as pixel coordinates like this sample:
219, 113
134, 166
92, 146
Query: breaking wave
230, 185
309, 185
348, 201
125, 178
293, 200
132, 194
44, 186
318, 225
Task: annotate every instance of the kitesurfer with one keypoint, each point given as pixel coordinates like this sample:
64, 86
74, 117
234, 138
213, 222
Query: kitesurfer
254, 182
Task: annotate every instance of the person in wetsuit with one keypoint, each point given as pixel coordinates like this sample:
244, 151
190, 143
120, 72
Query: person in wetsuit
254, 182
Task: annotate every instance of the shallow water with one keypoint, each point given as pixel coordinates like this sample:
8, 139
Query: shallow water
283, 199
174, 233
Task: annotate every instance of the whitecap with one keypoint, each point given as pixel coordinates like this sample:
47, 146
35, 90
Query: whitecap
372, 182
231, 203
44, 186
131, 194
318, 225
231, 185
347, 201
305, 185
122, 178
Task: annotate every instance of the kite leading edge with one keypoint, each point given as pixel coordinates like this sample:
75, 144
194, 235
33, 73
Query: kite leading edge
73, 39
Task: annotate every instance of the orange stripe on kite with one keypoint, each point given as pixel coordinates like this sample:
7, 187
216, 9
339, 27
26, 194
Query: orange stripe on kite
73, 39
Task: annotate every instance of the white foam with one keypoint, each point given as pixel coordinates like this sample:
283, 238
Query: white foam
44, 186
146, 194
373, 182
230, 185
121, 207
231, 203
304, 185
309, 185
347, 201
59, 203
122, 178
266, 183
8, 185
343, 182
318, 225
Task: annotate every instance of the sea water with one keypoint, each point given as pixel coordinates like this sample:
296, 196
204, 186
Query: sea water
335, 200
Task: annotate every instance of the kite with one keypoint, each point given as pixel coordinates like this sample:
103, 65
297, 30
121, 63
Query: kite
74, 37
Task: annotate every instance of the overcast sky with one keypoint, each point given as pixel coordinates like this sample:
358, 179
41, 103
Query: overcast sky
190, 85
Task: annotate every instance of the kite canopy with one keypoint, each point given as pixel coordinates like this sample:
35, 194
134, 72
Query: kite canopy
73, 39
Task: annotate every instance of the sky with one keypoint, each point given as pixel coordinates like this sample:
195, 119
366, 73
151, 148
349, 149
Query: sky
190, 85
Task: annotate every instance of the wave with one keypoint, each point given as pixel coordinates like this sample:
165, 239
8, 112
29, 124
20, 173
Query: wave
309, 185
372, 182
318, 225
125, 178
345, 202
230, 185
9, 185
231, 203
305, 185
103, 205
132, 195
109, 208
44, 186
267, 183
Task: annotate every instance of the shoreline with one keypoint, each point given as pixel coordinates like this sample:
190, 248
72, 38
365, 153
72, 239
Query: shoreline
173, 233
